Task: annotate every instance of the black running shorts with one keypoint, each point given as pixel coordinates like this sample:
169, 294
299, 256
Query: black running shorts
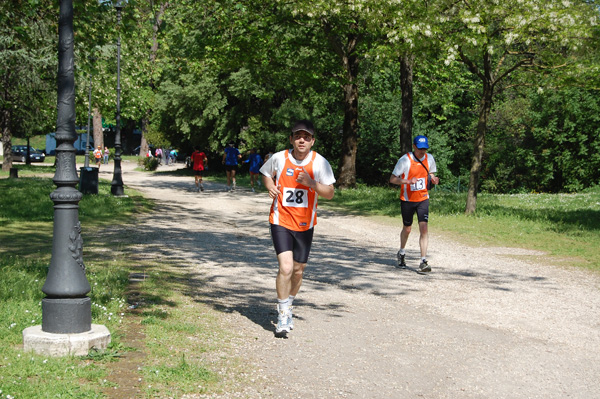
409, 209
299, 242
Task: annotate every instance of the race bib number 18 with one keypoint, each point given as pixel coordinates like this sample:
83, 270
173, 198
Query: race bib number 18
295, 197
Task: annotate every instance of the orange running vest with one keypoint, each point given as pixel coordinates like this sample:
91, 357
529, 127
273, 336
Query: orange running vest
296, 207
415, 192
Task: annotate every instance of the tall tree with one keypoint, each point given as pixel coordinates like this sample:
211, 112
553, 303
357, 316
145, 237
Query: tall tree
27, 71
344, 26
493, 39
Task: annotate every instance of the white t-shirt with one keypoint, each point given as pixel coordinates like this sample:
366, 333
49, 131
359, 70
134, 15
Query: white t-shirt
403, 165
321, 167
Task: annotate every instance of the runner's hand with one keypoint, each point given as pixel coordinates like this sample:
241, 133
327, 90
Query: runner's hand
305, 179
274, 191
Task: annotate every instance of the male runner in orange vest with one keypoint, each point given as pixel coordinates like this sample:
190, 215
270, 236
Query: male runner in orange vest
412, 172
294, 178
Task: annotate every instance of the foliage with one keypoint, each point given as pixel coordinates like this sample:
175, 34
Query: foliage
27, 70
545, 141
207, 72
495, 40
150, 163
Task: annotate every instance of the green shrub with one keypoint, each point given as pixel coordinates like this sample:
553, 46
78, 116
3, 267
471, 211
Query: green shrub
150, 164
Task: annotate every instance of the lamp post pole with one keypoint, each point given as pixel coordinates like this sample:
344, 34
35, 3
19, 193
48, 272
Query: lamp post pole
88, 177
117, 182
66, 308
67, 327
86, 162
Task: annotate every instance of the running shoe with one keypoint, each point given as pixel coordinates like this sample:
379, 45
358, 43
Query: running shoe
424, 267
290, 319
401, 262
283, 322
201, 187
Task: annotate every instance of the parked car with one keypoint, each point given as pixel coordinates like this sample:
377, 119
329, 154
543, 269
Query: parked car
136, 150
20, 154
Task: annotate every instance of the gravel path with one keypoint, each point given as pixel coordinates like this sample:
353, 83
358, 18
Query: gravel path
486, 323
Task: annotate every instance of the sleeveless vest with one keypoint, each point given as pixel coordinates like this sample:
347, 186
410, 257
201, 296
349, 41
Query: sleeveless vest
296, 207
415, 192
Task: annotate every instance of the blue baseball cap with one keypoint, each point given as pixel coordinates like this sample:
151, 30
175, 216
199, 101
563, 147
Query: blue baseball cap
421, 142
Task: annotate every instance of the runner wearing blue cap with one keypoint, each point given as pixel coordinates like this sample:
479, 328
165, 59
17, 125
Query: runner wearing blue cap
415, 173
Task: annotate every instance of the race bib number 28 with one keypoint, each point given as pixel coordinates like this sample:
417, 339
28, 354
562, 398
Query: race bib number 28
295, 197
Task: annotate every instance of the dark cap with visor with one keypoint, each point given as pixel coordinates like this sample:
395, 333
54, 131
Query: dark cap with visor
304, 125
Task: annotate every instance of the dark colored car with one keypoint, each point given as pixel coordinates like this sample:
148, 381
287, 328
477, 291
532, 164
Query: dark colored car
20, 154
136, 150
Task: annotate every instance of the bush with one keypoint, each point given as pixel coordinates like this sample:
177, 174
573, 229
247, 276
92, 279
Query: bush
150, 164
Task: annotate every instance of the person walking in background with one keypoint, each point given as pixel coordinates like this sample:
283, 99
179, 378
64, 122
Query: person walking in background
269, 155
98, 156
294, 178
415, 173
200, 162
255, 161
231, 157
158, 154
106, 155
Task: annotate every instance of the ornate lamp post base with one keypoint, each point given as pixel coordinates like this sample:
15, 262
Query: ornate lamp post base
66, 315
49, 344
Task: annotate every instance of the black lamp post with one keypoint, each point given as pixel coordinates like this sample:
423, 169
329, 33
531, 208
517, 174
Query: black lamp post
66, 309
88, 176
67, 327
117, 182
86, 163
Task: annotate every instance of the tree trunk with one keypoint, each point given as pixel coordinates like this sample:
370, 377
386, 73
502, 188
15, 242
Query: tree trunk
6, 141
28, 153
144, 143
406, 86
98, 131
346, 50
158, 18
478, 147
347, 166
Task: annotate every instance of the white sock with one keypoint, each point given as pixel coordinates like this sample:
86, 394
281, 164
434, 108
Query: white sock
423, 259
283, 304
291, 299
402, 251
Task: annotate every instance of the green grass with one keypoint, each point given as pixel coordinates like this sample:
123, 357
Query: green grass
27, 375
26, 213
566, 226
38, 142
174, 324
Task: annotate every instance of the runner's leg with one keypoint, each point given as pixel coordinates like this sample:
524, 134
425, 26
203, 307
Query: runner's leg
283, 283
296, 279
423, 239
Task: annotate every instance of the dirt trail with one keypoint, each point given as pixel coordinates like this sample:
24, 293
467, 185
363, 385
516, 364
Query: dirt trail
486, 323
